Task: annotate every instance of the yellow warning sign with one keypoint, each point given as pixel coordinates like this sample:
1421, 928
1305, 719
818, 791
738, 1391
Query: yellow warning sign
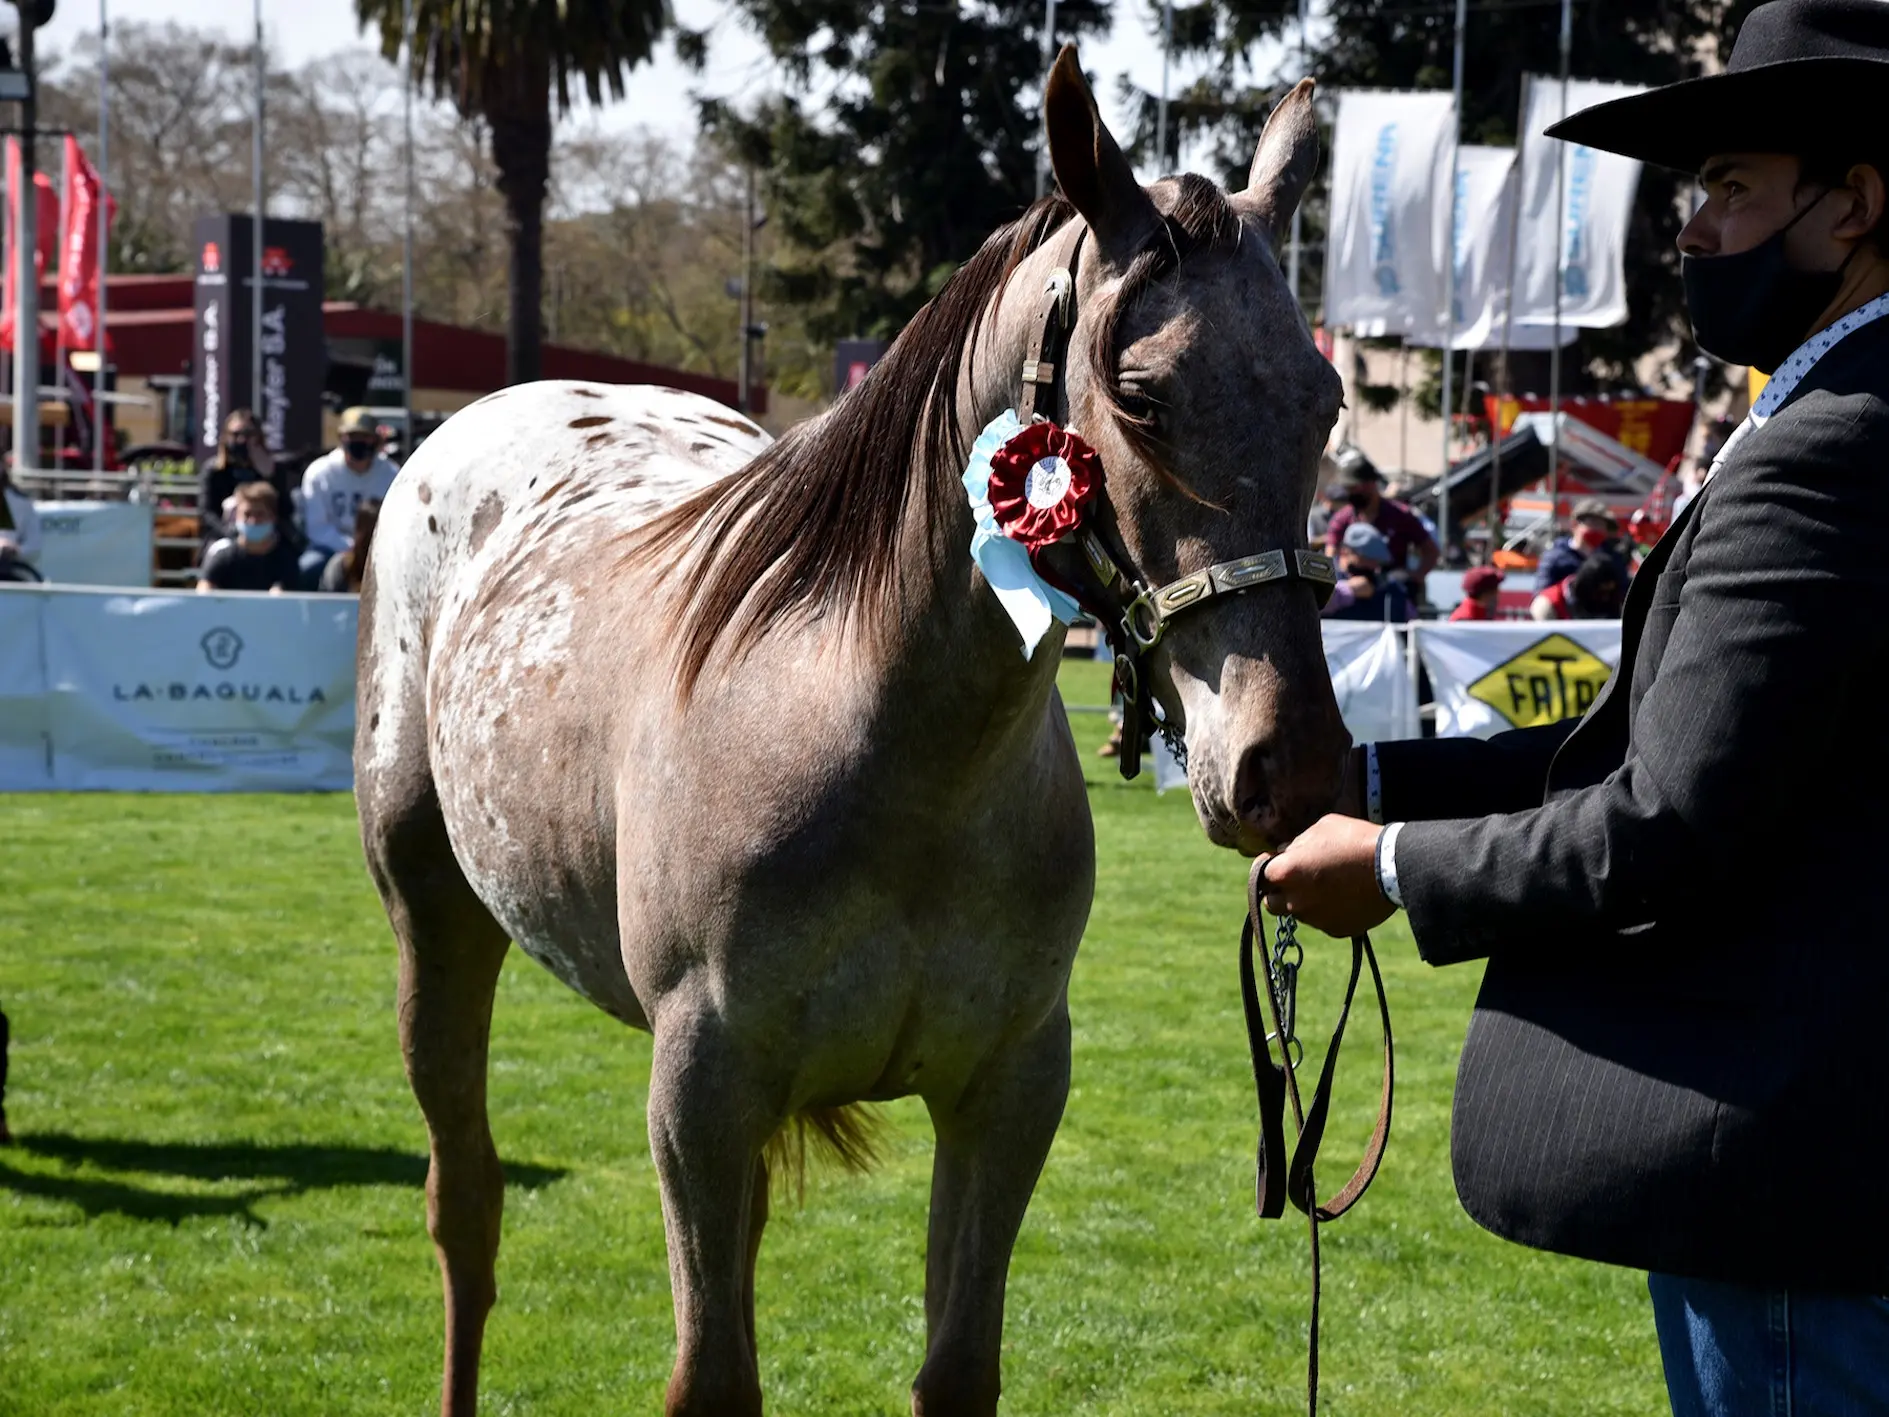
1551, 680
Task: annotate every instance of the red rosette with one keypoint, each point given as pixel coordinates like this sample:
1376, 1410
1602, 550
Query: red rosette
1042, 483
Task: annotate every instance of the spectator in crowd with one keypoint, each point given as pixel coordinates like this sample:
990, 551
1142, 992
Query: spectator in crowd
256, 557
19, 532
1594, 592
346, 568
241, 457
1413, 550
1366, 589
334, 488
1482, 588
1323, 510
1596, 533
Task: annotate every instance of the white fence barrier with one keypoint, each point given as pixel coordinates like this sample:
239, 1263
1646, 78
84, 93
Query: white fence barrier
172, 691
96, 543
1488, 678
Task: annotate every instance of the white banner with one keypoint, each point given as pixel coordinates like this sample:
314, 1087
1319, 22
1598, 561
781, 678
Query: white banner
1388, 228
1489, 678
1596, 201
1485, 205
180, 692
96, 543
25, 757
1370, 678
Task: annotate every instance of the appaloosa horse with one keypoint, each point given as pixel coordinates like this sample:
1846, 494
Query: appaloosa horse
734, 740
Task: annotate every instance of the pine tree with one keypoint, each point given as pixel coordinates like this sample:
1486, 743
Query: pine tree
925, 142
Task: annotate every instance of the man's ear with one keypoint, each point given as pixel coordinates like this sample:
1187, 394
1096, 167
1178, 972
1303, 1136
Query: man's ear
1089, 165
1867, 194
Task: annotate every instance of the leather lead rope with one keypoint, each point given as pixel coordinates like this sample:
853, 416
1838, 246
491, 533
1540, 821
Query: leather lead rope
1276, 1181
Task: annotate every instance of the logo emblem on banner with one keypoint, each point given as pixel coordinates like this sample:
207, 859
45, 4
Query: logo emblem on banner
1551, 680
222, 647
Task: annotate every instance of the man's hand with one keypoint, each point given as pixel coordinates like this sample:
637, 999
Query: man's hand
1328, 877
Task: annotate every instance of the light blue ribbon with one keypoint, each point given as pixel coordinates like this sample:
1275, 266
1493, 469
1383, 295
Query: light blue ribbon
1030, 601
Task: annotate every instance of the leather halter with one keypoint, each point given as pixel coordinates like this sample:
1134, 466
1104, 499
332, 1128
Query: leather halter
1097, 569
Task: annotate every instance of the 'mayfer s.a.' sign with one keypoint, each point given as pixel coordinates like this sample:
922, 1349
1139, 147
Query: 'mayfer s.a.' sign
294, 353
1488, 678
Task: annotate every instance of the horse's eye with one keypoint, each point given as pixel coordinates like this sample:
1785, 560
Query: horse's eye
1140, 405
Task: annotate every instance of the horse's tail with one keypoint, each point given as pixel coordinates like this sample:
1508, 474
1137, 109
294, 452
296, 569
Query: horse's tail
852, 1135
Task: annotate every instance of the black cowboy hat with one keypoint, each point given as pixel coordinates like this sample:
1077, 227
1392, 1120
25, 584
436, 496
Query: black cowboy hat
1804, 76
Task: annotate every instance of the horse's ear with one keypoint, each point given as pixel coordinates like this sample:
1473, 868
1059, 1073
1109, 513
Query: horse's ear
1090, 167
1285, 160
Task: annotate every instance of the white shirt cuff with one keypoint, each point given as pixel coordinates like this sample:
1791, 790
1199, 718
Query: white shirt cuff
1387, 864
1373, 786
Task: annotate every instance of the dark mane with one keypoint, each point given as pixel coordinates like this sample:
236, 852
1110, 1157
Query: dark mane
816, 517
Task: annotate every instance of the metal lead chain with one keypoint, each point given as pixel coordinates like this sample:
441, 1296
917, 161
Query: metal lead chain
1287, 956
1176, 743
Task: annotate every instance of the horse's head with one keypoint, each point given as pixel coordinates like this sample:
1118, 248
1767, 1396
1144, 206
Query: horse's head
1192, 372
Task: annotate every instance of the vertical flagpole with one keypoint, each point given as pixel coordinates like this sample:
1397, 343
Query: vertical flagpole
26, 276
103, 198
1503, 385
1161, 113
59, 326
1292, 252
1449, 289
255, 242
1560, 235
1049, 53
407, 438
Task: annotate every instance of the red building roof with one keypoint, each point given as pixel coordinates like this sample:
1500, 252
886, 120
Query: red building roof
152, 321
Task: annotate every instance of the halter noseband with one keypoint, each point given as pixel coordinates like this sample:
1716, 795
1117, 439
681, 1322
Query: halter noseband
1096, 568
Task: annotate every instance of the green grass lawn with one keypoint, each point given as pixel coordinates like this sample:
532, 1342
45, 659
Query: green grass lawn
216, 1207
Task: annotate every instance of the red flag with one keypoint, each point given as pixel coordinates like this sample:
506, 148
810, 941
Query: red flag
46, 236
78, 244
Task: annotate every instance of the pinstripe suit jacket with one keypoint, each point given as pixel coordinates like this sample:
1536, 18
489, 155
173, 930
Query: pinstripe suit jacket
1679, 1058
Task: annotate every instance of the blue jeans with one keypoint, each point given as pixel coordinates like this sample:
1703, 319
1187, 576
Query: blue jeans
314, 561
1734, 1351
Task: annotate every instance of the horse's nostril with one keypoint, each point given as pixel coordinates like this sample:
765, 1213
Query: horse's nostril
1253, 786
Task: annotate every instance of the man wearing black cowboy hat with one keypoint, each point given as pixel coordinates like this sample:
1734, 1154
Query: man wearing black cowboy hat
1677, 1060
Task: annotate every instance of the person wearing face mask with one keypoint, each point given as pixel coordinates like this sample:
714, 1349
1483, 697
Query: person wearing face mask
1413, 550
1676, 1062
334, 487
1365, 589
1596, 533
241, 456
255, 557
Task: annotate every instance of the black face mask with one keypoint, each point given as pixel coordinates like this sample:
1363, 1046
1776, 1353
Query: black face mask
360, 452
1359, 500
1755, 307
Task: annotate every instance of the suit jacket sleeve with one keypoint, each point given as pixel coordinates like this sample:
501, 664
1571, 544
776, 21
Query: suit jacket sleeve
1778, 604
1423, 779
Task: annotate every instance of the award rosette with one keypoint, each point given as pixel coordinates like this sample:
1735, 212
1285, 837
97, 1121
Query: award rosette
1042, 484
1031, 602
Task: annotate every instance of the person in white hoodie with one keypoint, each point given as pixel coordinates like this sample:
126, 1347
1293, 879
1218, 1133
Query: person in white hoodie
334, 487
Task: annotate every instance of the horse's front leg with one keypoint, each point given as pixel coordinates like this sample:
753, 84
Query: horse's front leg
991, 1145
707, 1126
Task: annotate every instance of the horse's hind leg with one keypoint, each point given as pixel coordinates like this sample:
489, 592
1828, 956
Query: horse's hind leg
991, 1145
450, 953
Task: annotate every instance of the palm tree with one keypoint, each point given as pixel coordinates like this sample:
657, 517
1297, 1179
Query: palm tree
502, 61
